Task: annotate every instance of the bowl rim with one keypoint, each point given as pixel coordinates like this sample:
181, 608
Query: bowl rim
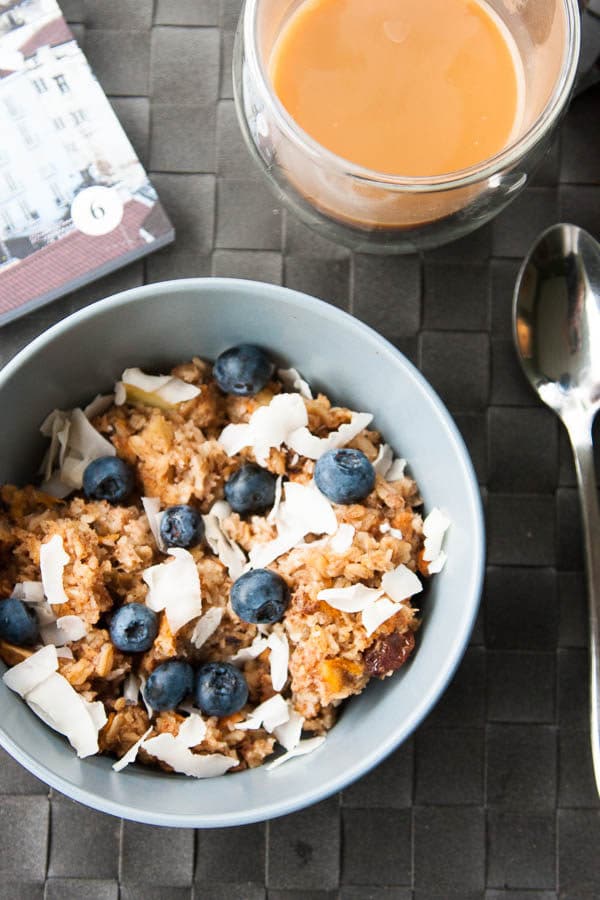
473, 588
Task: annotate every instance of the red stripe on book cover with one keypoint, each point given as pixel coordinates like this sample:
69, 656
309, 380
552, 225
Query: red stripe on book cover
76, 254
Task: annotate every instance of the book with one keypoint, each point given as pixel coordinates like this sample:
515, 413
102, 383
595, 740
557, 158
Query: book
75, 201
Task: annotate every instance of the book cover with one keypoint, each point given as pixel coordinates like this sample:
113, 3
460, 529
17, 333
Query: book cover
75, 201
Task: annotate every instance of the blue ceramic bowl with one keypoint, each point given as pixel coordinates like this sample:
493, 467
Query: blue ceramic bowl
157, 326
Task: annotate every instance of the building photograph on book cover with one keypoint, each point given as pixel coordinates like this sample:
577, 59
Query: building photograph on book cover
75, 202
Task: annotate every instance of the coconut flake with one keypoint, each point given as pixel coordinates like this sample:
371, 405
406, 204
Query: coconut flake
307, 444
178, 391
304, 747
167, 388
258, 645
98, 405
343, 538
434, 528
313, 545
228, 551
192, 731
396, 470
383, 460
72, 627
288, 734
292, 379
175, 587
45, 615
378, 612
85, 440
115, 674
29, 591
72, 471
401, 583
278, 659
97, 712
53, 560
26, 675
153, 514
56, 426
277, 501
33, 592
305, 510
77, 443
386, 528
261, 555
57, 416
120, 393
236, 436
56, 487
206, 626
351, 599
59, 705
169, 750
131, 754
269, 715
437, 564
84, 445
149, 709
64, 630
131, 688
269, 426
285, 421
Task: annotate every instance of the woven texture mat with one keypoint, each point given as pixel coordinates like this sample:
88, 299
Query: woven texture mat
493, 797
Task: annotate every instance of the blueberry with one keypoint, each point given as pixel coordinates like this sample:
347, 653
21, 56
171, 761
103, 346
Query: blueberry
181, 526
169, 684
260, 596
133, 628
108, 478
344, 476
221, 689
243, 370
250, 489
18, 622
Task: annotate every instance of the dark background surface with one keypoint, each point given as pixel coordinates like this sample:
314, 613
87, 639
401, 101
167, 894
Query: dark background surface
493, 797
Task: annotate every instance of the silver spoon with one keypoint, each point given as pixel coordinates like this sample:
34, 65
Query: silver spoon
557, 333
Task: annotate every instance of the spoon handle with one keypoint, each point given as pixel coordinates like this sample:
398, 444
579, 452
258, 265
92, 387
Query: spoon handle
581, 440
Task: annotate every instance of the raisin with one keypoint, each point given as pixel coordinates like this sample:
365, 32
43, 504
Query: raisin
389, 653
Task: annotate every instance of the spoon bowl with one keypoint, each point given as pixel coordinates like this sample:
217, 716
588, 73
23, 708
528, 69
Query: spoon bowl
556, 318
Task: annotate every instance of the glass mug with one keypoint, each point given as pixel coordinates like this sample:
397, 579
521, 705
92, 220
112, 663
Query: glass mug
372, 212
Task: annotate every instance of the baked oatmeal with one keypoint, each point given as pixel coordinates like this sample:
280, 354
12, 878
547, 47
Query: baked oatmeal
212, 561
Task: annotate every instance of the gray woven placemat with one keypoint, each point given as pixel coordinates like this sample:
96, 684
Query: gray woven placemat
493, 797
